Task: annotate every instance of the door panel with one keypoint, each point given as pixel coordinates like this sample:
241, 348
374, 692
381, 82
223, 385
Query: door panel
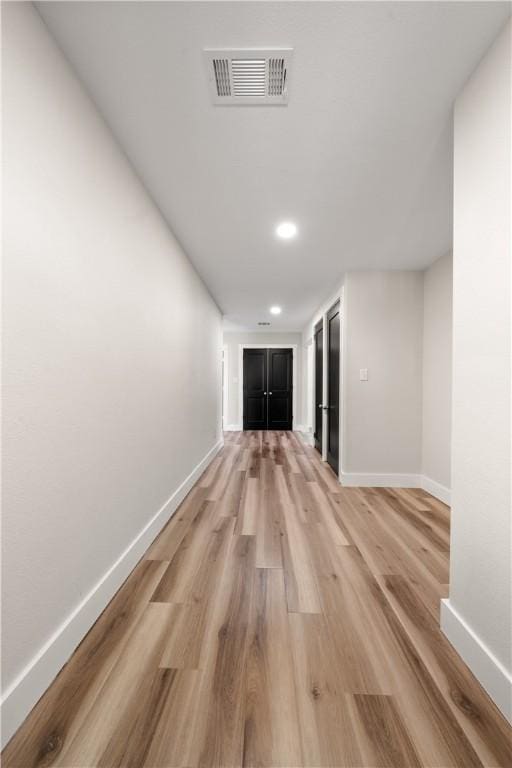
319, 384
280, 388
255, 373
255, 390
268, 389
256, 410
333, 388
279, 412
279, 370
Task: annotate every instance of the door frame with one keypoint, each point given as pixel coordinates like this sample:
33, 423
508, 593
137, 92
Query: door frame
225, 387
318, 328
241, 348
322, 315
333, 310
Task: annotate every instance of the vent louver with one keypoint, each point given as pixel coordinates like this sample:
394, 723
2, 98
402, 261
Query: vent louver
221, 68
257, 76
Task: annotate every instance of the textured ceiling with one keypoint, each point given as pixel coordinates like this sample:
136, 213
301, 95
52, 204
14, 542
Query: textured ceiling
360, 159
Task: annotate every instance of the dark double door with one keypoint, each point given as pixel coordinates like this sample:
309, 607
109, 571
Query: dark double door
331, 406
268, 388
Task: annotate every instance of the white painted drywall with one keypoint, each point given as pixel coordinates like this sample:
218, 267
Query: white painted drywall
480, 559
437, 370
111, 344
383, 328
232, 341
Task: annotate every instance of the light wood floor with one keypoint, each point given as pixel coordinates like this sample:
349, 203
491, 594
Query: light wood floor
278, 620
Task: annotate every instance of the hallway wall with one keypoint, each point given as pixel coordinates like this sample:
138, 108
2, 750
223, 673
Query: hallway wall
383, 333
111, 364
477, 617
397, 425
437, 374
232, 341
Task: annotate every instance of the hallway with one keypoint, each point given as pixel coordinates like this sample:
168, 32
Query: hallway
277, 620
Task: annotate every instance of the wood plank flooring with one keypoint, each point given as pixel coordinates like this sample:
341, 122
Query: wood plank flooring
278, 620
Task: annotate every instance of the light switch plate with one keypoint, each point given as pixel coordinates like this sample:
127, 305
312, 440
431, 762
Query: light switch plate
363, 374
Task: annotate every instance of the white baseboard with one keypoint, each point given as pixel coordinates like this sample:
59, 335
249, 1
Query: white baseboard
396, 480
392, 480
492, 675
21, 696
441, 492
300, 428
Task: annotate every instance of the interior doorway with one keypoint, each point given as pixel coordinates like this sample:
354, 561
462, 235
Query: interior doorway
319, 385
333, 386
268, 388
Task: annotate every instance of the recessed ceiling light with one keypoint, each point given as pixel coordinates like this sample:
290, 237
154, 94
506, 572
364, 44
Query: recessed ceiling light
286, 230
275, 310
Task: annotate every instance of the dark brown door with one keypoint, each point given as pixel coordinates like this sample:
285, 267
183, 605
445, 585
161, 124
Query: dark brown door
333, 386
255, 389
280, 388
268, 389
319, 384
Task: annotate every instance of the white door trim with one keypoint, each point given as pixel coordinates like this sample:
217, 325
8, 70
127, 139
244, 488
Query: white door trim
241, 348
225, 386
325, 435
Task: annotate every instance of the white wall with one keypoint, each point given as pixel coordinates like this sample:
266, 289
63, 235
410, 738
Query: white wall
383, 322
111, 357
437, 372
232, 341
402, 323
477, 617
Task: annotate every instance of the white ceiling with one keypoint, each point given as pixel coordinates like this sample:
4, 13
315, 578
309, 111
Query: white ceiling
360, 159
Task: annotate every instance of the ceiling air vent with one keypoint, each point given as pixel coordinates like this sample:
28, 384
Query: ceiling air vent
262, 323
255, 76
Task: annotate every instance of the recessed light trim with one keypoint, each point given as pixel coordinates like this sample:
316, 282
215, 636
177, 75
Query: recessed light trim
275, 310
286, 230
